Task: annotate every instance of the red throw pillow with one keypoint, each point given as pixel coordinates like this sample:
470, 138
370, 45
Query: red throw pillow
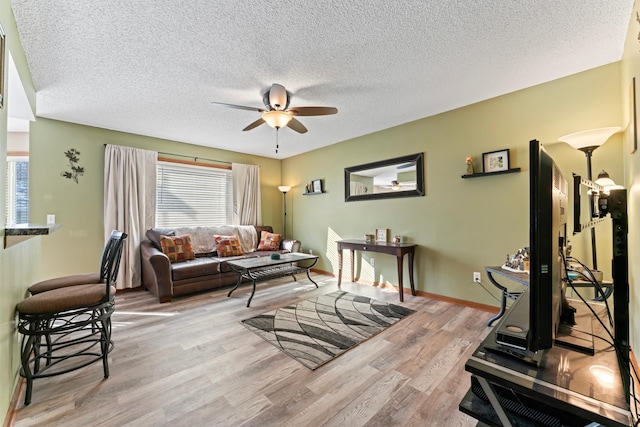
177, 248
228, 246
269, 241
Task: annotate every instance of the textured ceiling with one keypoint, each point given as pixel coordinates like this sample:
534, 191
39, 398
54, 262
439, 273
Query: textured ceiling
152, 67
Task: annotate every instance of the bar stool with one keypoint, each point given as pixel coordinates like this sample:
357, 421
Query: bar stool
68, 328
81, 279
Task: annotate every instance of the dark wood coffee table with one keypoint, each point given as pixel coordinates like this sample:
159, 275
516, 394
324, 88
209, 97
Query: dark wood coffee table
264, 268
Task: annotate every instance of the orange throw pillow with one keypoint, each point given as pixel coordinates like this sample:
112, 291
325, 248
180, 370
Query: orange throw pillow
228, 246
269, 241
177, 248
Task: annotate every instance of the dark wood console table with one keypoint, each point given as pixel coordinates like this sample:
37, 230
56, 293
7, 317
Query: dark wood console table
397, 249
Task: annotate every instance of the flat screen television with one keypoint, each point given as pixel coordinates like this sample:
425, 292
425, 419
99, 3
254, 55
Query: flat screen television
549, 195
542, 316
534, 319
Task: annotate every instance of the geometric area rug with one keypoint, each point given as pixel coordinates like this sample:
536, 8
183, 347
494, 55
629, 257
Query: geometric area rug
316, 330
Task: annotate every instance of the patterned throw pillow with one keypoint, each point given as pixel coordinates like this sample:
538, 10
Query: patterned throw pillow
177, 248
155, 234
269, 241
228, 246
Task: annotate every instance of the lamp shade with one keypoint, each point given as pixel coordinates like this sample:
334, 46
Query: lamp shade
589, 138
284, 188
276, 118
606, 182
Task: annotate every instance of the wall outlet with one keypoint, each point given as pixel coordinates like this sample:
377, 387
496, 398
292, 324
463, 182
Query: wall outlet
476, 276
51, 219
372, 262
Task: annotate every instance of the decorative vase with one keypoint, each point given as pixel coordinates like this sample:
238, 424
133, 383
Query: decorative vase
469, 168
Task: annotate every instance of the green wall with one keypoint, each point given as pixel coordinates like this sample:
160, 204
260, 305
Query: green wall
19, 264
460, 225
630, 70
79, 206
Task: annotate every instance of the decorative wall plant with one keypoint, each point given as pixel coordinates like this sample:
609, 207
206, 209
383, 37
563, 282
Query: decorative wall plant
73, 155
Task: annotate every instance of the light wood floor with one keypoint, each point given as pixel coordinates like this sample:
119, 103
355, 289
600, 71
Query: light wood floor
191, 363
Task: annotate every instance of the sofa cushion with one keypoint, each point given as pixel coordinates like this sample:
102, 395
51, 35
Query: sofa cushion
261, 228
198, 267
155, 233
228, 246
269, 241
177, 248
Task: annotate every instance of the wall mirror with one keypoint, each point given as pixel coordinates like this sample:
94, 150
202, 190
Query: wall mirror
392, 178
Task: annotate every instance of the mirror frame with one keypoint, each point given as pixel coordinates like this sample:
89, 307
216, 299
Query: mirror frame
418, 158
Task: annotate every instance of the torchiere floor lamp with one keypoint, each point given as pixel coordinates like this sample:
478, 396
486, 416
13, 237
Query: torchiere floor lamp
284, 189
587, 141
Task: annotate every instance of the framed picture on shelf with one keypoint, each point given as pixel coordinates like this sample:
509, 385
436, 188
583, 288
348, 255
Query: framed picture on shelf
316, 186
382, 234
495, 161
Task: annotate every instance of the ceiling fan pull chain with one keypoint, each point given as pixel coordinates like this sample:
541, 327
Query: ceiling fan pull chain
277, 129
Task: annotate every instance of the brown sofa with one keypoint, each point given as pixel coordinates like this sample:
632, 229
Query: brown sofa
165, 279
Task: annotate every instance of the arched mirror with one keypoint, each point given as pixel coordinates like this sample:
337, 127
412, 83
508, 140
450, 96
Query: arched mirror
386, 179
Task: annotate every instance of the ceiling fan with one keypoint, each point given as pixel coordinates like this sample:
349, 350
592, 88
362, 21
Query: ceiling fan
277, 113
397, 186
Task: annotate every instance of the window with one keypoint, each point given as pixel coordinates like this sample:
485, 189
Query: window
188, 195
17, 203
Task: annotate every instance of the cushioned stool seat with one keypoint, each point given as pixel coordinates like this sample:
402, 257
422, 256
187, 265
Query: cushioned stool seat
64, 299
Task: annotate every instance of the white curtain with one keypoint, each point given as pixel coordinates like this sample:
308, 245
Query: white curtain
356, 188
246, 194
129, 204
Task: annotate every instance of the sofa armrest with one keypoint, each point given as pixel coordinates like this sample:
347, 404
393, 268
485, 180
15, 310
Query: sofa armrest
290, 245
156, 271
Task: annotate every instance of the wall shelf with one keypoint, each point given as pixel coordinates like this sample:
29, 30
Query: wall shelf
312, 193
479, 174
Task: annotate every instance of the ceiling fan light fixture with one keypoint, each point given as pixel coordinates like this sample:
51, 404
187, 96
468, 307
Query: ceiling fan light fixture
276, 118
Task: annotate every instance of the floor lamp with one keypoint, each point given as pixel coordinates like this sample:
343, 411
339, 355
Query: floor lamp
587, 141
284, 189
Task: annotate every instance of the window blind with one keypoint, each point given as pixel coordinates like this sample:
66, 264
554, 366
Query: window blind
17, 192
190, 195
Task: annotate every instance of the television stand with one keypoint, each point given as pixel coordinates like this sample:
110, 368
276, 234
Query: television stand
578, 337
563, 386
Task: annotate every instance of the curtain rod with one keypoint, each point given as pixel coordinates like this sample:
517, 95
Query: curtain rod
195, 158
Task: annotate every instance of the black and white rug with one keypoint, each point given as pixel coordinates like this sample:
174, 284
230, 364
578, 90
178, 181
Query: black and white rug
316, 330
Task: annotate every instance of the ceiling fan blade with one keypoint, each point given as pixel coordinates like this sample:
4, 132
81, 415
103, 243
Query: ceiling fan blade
239, 107
312, 111
297, 126
254, 124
